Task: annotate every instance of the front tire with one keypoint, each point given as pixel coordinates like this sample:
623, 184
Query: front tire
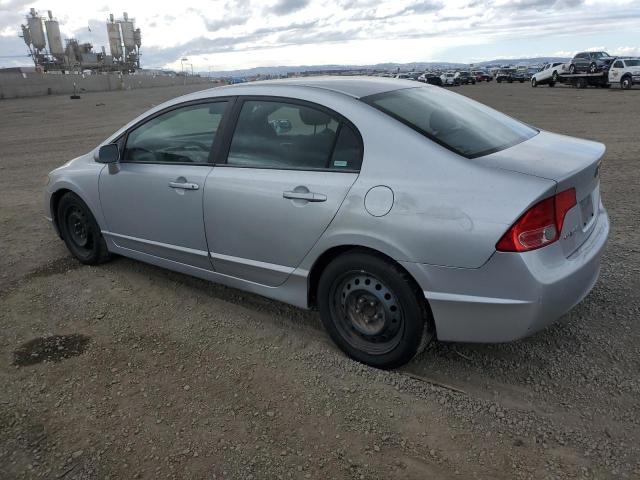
534, 83
80, 231
572, 69
626, 83
373, 310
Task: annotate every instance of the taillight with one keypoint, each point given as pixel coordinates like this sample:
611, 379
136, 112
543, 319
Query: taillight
540, 225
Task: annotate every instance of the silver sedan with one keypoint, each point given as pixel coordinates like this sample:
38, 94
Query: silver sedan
401, 211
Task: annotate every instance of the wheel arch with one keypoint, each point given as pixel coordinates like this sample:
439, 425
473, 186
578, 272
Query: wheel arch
54, 201
330, 254
60, 191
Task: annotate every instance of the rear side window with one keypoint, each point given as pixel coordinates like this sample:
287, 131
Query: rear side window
347, 154
282, 135
454, 121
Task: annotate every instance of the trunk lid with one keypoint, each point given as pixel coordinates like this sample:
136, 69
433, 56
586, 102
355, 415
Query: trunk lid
571, 163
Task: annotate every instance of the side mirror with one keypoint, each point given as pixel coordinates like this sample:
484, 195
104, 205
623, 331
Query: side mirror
108, 153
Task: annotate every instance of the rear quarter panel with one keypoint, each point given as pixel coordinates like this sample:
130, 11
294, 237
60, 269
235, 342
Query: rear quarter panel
447, 210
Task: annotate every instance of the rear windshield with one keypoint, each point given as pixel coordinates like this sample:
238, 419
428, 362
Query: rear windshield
454, 121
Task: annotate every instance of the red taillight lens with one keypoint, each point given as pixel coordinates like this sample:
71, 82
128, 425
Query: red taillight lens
540, 225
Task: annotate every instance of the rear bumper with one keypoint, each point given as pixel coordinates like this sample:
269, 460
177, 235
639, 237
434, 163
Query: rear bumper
513, 295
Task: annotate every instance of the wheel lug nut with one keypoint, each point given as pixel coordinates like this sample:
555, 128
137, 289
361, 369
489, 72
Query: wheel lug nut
372, 304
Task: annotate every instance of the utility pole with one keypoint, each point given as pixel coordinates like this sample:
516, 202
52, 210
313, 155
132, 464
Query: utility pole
184, 74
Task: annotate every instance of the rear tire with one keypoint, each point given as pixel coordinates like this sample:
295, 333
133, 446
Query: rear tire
80, 231
373, 310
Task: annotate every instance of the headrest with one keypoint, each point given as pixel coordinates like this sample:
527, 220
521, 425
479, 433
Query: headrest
310, 116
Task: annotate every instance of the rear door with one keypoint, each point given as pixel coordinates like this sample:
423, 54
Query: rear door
152, 198
287, 168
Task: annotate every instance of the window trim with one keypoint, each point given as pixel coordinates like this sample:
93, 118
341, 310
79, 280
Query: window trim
222, 156
371, 98
215, 146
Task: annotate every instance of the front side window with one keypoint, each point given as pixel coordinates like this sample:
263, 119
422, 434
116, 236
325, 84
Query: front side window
454, 121
182, 135
618, 64
274, 134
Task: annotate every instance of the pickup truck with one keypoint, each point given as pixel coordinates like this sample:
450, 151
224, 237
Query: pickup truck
548, 74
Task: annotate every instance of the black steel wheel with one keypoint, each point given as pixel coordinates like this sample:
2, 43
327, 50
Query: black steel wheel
80, 231
373, 310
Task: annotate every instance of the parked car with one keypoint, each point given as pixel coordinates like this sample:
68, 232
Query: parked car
482, 76
548, 74
465, 78
430, 78
509, 76
626, 72
462, 237
590, 62
518, 76
449, 78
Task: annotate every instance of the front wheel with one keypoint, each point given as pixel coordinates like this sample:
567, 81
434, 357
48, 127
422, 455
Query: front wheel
593, 68
572, 69
373, 310
80, 231
554, 77
625, 83
534, 82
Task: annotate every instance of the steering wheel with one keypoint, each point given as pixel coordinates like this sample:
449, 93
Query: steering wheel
138, 154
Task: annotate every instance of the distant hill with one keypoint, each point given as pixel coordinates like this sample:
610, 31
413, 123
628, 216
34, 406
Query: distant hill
388, 67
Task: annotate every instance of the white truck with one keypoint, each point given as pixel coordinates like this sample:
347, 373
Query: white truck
625, 72
548, 74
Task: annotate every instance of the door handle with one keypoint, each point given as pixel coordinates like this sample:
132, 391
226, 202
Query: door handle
184, 185
308, 196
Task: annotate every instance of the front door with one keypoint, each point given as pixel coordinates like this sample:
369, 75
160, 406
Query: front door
288, 169
152, 198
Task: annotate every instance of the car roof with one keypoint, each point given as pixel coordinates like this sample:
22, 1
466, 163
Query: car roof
354, 86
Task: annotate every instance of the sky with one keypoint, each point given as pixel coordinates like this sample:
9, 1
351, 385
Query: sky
228, 35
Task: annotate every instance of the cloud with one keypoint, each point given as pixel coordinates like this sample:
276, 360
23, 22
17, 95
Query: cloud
225, 22
542, 4
238, 29
286, 7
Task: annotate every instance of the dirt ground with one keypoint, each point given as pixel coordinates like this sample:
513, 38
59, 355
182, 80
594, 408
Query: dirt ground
171, 377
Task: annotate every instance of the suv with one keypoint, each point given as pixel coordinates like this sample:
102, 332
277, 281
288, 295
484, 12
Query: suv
465, 78
590, 62
625, 71
430, 78
510, 76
